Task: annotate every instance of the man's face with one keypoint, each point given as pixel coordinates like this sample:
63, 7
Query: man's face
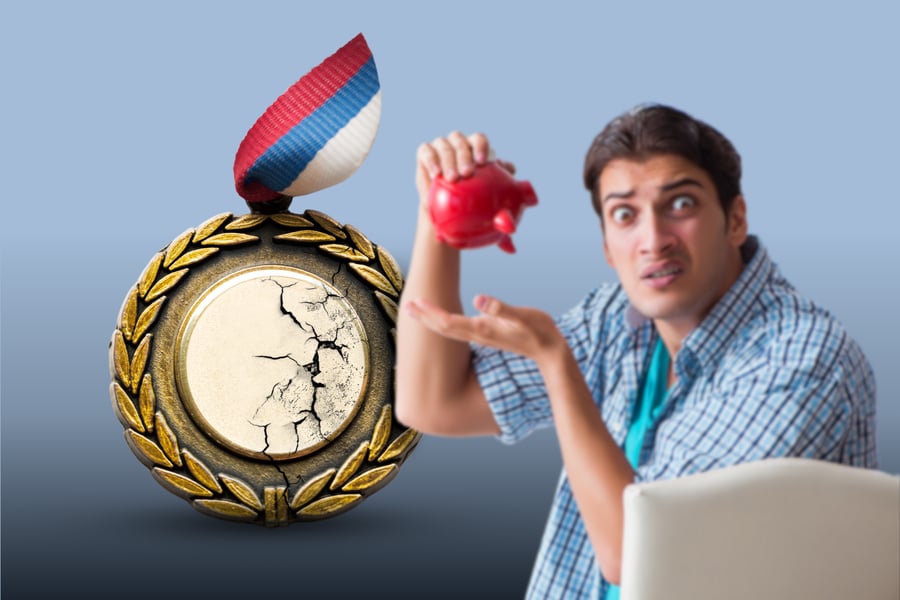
666, 236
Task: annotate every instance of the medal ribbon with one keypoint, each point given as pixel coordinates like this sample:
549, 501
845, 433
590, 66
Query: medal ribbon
317, 133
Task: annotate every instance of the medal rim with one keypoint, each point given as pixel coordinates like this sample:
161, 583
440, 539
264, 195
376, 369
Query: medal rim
155, 441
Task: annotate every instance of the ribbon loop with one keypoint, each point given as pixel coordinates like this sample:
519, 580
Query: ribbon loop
317, 133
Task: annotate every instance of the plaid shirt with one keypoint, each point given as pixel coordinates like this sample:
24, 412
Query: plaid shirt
767, 373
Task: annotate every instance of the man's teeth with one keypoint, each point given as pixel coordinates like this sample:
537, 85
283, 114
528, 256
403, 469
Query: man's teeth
665, 272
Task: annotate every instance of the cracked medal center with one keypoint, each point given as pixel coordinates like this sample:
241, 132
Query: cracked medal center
272, 362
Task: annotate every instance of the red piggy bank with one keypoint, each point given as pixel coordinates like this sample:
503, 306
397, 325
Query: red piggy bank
479, 210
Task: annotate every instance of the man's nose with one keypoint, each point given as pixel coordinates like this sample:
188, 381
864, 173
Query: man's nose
656, 235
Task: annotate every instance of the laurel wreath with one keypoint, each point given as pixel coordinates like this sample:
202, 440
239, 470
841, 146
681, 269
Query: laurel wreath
148, 433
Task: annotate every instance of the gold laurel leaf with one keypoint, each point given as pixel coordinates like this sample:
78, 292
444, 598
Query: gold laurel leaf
344, 252
243, 491
374, 278
245, 222
207, 228
327, 223
291, 220
311, 489
330, 505
179, 484
125, 409
139, 361
391, 268
167, 440
305, 235
362, 242
399, 446
199, 470
371, 478
121, 362
147, 401
177, 247
147, 318
382, 431
129, 314
149, 274
146, 448
166, 283
194, 256
389, 306
225, 509
350, 466
229, 239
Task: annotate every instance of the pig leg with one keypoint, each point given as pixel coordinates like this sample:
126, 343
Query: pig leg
506, 244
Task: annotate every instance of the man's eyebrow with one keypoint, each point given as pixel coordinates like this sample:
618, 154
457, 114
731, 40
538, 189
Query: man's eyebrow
613, 195
676, 184
663, 188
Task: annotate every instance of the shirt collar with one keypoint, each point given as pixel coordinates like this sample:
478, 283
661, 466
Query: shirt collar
707, 340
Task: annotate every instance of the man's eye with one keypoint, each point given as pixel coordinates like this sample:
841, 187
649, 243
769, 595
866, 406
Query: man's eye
621, 214
683, 202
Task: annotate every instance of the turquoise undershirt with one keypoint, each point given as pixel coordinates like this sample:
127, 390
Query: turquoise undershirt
646, 411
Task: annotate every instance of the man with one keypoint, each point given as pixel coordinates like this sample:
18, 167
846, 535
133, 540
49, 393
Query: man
701, 357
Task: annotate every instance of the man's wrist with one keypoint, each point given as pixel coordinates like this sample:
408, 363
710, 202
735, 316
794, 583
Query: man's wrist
556, 360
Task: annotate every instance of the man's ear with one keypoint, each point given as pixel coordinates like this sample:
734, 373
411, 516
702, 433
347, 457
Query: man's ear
737, 222
606, 253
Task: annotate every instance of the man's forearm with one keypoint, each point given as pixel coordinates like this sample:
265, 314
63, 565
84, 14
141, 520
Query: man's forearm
434, 269
595, 465
430, 368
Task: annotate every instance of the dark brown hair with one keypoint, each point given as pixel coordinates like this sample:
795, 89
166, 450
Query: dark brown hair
653, 129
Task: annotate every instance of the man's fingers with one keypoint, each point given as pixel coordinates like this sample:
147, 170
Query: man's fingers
428, 159
494, 307
454, 326
447, 157
465, 161
519, 329
508, 166
453, 156
481, 149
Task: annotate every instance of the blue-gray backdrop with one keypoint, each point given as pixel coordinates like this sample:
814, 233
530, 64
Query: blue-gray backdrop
119, 126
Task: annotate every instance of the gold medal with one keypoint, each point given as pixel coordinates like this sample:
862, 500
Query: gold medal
252, 361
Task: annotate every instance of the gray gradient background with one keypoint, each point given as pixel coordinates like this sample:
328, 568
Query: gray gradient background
119, 128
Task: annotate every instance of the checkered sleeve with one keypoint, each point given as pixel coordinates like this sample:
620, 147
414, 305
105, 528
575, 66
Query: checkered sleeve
513, 384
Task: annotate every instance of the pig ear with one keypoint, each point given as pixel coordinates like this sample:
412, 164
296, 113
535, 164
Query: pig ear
529, 198
504, 222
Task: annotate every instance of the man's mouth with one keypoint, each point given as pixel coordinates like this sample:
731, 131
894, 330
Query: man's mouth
672, 270
662, 275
